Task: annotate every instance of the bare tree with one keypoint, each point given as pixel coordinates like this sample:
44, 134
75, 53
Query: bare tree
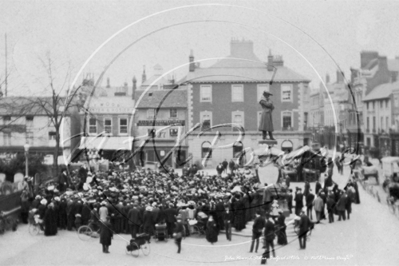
57, 107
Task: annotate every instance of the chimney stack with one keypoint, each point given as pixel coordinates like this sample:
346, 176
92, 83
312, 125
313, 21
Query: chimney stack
191, 60
144, 76
270, 65
134, 87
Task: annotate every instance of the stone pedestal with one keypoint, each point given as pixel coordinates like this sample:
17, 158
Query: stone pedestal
267, 142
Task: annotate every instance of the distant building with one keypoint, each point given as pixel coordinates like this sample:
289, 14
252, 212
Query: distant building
375, 70
161, 118
23, 121
228, 93
107, 126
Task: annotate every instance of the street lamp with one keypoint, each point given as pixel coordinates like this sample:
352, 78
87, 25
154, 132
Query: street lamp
26, 147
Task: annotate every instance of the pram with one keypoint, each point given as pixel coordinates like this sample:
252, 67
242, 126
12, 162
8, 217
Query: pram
161, 232
139, 243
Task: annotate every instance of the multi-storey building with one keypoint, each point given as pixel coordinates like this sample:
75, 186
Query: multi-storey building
161, 115
378, 113
374, 70
107, 121
228, 93
23, 120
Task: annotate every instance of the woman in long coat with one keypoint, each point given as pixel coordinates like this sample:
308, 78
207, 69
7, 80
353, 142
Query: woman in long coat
211, 231
281, 227
50, 221
106, 235
239, 213
266, 121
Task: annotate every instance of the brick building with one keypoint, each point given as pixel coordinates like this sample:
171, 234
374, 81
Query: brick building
161, 113
229, 92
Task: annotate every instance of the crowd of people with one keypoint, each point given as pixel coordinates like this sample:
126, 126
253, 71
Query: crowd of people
133, 202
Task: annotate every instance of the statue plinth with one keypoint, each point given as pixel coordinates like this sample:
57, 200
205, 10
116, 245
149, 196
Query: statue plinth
268, 142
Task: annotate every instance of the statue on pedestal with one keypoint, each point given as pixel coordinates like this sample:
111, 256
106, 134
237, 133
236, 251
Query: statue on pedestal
266, 121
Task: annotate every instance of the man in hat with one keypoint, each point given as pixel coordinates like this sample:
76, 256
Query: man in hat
257, 229
266, 121
298, 201
135, 220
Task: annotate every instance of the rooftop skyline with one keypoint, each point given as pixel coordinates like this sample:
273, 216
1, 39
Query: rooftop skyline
314, 38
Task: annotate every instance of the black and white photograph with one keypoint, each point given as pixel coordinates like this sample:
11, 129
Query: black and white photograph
214, 132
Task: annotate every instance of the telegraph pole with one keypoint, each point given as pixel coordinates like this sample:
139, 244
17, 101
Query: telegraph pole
6, 74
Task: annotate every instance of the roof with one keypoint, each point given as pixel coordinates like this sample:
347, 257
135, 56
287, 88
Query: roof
162, 98
25, 105
115, 104
382, 91
244, 73
393, 65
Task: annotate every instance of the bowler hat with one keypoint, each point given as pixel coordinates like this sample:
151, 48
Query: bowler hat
267, 93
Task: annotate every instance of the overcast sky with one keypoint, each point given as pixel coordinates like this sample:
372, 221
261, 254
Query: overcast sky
314, 37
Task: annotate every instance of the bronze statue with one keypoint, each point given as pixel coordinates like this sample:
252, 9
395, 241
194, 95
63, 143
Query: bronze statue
266, 121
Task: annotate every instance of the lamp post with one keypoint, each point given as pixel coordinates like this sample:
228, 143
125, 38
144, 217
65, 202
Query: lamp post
26, 147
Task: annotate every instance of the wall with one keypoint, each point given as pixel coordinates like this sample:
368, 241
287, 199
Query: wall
222, 105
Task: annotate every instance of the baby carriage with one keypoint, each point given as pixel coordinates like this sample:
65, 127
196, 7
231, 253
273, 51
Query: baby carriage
161, 232
137, 244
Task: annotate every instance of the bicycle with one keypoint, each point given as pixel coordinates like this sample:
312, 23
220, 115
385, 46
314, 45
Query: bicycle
35, 224
141, 242
87, 232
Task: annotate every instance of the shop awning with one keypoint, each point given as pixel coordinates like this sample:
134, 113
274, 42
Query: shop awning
106, 143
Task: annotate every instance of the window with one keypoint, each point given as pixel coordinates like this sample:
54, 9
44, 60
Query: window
123, 126
29, 120
29, 137
382, 123
386, 104
206, 151
261, 89
206, 93
7, 138
286, 93
374, 127
92, 126
108, 125
237, 93
368, 142
286, 120
381, 104
173, 132
173, 113
7, 119
387, 123
150, 113
367, 105
206, 120
51, 135
259, 117
237, 118
373, 105
368, 124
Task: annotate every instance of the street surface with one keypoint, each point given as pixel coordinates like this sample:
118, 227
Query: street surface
370, 237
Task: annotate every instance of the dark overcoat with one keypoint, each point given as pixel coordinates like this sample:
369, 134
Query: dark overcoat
106, 234
266, 121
